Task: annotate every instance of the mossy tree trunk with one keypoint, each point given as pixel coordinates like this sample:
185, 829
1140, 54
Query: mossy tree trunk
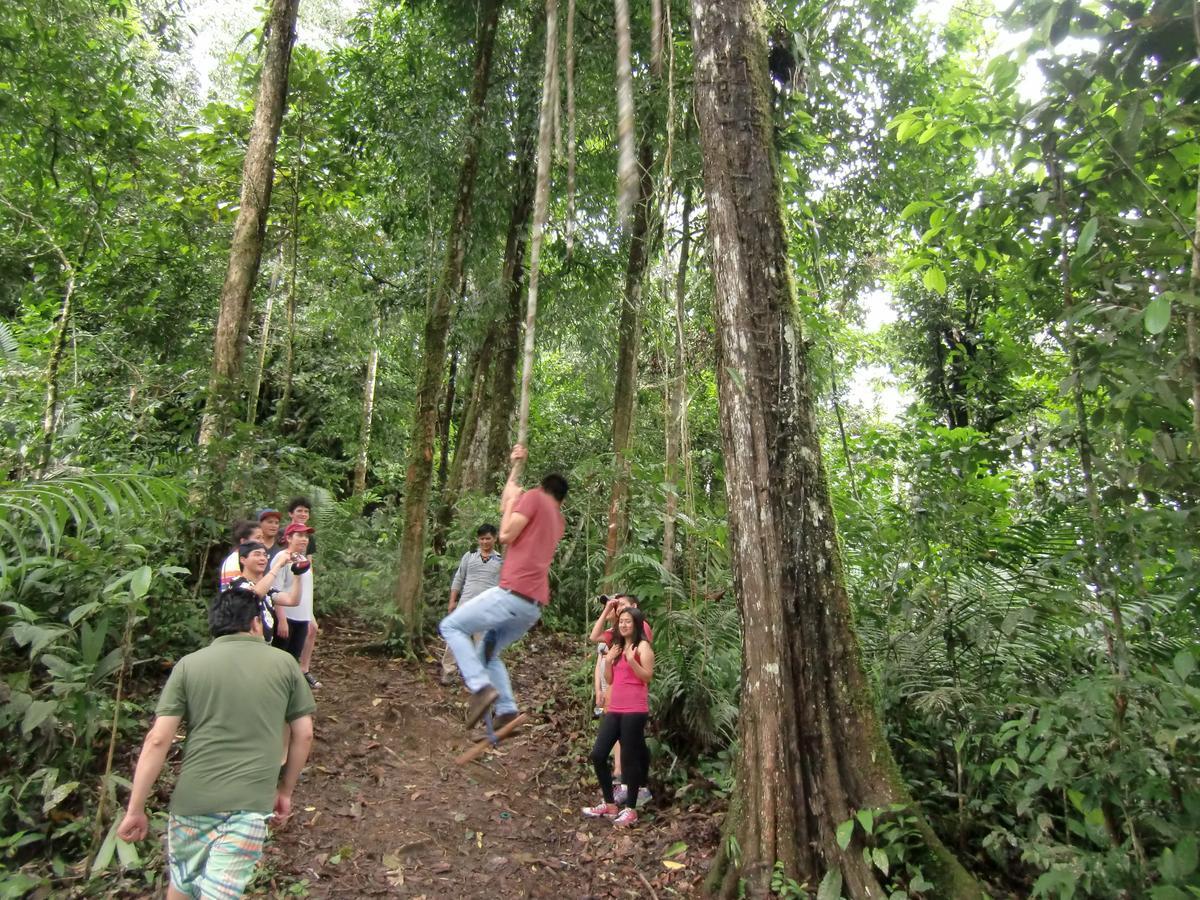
419, 474
811, 749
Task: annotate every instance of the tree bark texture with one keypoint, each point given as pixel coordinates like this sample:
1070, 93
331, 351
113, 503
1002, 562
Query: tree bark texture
362, 459
627, 175
437, 325
811, 749
245, 253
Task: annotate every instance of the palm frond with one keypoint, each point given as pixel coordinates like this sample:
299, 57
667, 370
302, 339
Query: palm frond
8, 342
37, 516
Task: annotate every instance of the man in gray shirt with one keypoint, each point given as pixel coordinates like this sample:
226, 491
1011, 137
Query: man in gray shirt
478, 571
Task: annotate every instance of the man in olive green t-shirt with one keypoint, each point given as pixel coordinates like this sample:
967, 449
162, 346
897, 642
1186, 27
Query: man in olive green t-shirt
234, 696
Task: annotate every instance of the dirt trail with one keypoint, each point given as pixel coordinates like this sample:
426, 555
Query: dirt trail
383, 810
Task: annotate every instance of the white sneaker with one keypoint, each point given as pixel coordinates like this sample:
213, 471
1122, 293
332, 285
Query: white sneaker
601, 810
621, 794
627, 818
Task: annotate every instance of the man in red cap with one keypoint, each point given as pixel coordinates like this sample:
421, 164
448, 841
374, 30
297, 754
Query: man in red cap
295, 537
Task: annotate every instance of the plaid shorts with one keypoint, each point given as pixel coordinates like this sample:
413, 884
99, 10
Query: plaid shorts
214, 856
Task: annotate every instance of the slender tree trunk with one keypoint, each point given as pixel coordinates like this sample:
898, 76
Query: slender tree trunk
50, 407
811, 749
677, 390
368, 406
1098, 554
1193, 329
628, 340
629, 327
541, 209
264, 340
627, 174
289, 360
437, 325
245, 252
446, 418
570, 67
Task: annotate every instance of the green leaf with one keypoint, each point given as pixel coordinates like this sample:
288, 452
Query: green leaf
676, 849
866, 819
35, 637
845, 831
83, 611
1186, 856
934, 280
831, 886
915, 207
880, 858
139, 582
105, 854
58, 795
1184, 664
128, 855
1087, 237
37, 713
1158, 314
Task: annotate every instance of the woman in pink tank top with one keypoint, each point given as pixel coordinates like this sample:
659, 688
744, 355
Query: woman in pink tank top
628, 668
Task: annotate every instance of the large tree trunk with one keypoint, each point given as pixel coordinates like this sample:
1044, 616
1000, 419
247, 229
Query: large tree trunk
811, 750
437, 325
245, 253
368, 407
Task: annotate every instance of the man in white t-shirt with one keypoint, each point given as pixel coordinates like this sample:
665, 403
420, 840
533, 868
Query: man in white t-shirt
300, 568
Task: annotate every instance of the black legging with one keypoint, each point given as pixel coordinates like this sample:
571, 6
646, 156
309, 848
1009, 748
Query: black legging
630, 730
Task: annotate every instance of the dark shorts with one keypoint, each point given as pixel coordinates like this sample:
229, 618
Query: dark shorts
294, 642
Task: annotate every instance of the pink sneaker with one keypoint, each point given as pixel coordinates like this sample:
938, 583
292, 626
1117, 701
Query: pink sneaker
626, 819
601, 810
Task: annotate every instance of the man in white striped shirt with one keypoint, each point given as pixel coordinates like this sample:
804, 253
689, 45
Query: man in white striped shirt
478, 570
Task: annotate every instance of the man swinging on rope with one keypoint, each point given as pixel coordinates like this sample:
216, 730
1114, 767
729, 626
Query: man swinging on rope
531, 525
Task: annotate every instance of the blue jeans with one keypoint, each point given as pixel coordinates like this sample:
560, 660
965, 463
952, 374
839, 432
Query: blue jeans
507, 617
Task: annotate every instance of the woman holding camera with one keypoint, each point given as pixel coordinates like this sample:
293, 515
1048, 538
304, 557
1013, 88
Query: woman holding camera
628, 668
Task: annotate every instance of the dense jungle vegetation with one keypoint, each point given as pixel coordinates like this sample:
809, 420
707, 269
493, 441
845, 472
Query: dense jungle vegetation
992, 219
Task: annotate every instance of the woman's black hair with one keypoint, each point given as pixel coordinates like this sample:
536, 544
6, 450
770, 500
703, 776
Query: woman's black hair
639, 627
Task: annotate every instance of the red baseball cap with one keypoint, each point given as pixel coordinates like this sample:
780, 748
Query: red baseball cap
297, 528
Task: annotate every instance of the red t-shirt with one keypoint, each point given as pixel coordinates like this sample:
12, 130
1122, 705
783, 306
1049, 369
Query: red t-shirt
526, 568
607, 637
